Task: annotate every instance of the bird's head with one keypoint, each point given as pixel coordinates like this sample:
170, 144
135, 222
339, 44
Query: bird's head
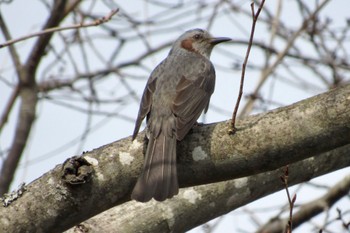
199, 41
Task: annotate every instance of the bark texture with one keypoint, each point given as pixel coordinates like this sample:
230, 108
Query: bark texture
208, 154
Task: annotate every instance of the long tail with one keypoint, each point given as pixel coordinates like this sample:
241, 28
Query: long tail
159, 176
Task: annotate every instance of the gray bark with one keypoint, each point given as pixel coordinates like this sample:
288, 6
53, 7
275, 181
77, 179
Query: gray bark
197, 205
263, 143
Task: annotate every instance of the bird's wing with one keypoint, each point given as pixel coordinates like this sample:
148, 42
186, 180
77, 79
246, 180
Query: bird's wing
146, 102
192, 97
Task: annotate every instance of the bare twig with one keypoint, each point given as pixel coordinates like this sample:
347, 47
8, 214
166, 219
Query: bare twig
312, 208
9, 106
255, 18
291, 201
345, 224
56, 29
14, 55
269, 70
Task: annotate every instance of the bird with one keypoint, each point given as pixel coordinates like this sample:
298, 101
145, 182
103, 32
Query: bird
177, 92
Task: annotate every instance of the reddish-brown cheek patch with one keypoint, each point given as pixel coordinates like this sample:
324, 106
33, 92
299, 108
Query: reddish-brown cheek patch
187, 44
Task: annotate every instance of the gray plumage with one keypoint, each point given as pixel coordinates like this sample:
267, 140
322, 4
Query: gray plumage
176, 94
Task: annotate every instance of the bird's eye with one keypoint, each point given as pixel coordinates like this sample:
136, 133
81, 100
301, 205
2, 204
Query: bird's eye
197, 36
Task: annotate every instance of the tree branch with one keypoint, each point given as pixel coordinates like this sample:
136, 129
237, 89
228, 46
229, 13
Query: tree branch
14, 55
26, 118
270, 69
8, 108
56, 16
57, 29
209, 154
250, 43
28, 94
311, 209
196, 205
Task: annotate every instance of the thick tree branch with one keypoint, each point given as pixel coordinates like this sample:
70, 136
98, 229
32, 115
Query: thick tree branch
26, 118
209, 154
28, 94
196, 205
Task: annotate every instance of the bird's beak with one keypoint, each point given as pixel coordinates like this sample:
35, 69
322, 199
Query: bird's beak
217, 40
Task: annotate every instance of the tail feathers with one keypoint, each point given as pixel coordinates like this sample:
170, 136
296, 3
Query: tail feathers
159, 175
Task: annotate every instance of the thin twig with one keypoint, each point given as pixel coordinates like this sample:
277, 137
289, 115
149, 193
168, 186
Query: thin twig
255, 18
56, 29
280, 56
313, 208
8, 108
291, 201
13, 53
